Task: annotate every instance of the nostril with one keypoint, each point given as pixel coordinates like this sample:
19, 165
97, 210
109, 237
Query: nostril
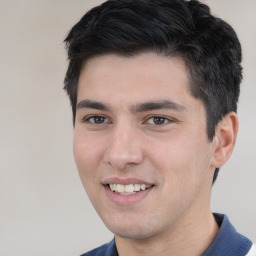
124, 149
120, 158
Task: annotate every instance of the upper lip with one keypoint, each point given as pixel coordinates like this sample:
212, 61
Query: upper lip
124, 181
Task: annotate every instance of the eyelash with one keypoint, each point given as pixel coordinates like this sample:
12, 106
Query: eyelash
163, 120
87, 119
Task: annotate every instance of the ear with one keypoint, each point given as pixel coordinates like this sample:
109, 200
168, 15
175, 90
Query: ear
224, 139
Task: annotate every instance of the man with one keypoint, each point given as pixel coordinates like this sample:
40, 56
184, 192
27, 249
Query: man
154, 86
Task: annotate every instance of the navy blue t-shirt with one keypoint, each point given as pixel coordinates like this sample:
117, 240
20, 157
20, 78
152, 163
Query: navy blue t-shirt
227, 242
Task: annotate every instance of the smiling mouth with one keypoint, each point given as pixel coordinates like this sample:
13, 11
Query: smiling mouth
129, 189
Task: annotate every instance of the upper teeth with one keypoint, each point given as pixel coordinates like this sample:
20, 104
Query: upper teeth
130, 189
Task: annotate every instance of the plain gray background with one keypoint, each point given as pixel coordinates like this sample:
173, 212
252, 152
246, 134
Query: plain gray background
43, 207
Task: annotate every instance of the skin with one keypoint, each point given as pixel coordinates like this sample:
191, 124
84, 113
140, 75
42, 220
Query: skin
171, 151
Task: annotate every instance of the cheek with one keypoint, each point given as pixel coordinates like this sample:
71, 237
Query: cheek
184, 173
182, 161
87, 155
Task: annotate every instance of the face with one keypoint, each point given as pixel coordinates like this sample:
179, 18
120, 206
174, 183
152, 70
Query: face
140, 143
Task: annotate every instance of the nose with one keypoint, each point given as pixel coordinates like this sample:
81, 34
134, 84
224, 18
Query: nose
124, 148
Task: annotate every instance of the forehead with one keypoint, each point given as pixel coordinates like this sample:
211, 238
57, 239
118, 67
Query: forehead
146, 76
144, 64
132, 86
125, 81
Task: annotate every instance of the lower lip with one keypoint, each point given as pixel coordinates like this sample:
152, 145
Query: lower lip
126, 199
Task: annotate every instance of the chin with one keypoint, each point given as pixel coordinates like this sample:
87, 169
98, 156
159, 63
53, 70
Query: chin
130, 230
131, 234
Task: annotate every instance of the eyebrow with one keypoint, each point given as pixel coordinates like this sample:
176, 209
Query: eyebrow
141, 107
92, 104
154, 105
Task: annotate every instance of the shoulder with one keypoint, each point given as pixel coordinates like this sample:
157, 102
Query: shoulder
97, 251
108, 249
228, 241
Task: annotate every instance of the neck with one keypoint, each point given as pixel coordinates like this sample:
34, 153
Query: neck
191, 236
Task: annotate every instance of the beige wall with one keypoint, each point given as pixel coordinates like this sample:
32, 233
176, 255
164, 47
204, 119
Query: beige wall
43, 207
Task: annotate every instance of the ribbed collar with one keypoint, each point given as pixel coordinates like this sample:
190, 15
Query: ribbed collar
228, 241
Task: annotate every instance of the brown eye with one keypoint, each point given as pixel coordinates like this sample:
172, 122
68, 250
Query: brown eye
158, 120
96, 119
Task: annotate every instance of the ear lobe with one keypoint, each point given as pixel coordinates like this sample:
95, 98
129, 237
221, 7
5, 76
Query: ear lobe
224, 139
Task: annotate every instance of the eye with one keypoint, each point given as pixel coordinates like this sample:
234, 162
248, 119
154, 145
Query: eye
96, 119
158, 120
